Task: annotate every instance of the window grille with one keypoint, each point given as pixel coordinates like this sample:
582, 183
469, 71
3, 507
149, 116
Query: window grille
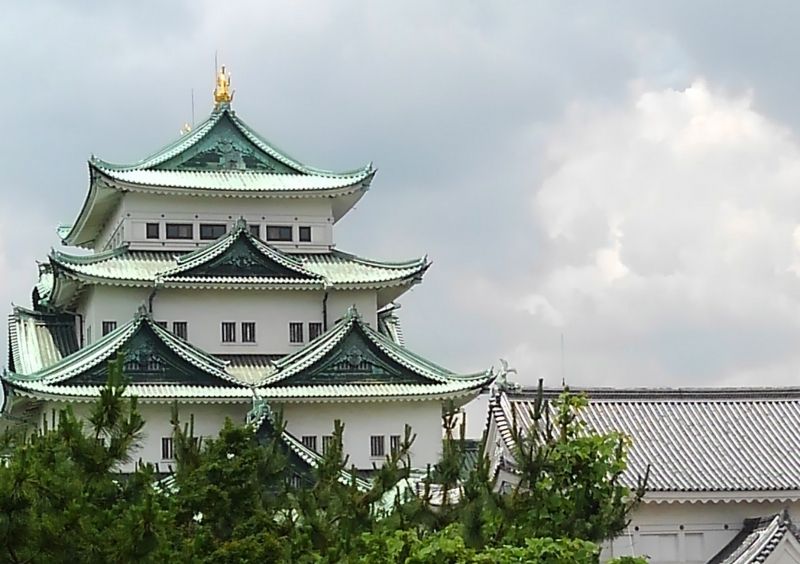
327, 443
162, 324
394, 444
279, 232
152, 231
167, 451
180, 231
248, 332
255, 230
314, 330
310, 442
295, 332
228, 332
108, 327
180, 329
377, 445
304, 234
212, 230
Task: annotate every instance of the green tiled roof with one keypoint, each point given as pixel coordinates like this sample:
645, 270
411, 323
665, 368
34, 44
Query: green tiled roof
236, 259
354, 357
37, 340
154, 357
327, 369
223, 155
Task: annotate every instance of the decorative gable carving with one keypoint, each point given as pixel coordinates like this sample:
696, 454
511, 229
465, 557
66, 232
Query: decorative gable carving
242, 258
225, 148
355, 361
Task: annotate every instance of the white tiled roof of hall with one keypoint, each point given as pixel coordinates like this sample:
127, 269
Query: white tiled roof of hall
694, 440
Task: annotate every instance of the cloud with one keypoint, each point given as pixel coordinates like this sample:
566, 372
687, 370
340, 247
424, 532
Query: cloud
672, 252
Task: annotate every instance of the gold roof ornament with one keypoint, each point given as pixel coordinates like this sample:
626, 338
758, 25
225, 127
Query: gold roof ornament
222, 91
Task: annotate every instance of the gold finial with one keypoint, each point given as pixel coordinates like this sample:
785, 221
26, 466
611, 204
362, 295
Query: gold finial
222, 92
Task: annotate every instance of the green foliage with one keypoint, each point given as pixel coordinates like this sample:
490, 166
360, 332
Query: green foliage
231, 499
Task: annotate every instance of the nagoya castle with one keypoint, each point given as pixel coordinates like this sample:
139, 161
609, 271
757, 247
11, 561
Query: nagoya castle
212, 271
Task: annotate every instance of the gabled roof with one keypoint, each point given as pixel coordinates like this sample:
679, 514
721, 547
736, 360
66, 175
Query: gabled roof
354, 360
762, 540
223, 156
37, 340
237, 259
302, 459
158, 364
698, 442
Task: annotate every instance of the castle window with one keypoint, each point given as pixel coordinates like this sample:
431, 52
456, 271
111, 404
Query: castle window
180, 231
212, 230
314, 330
248, 332
279, 232
327, 443
152, 231
310, 442
255, 230
377, 445
295, 333
228, 332
180, 329
108, 327
394, 444
162, 324
304, 234
167, 450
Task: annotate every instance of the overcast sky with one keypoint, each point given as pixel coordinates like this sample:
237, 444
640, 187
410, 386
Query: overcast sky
624, 174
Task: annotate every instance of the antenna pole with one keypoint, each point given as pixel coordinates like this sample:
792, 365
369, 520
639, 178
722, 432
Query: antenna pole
192, 108
563, 371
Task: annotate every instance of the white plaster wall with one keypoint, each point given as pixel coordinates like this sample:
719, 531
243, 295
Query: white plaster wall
362, 420
137, 209
205, 310
688, 532
208, 420
339, 301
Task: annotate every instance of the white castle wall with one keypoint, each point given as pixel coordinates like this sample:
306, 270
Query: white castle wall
205, 310
127, 224
363, 420
688, 532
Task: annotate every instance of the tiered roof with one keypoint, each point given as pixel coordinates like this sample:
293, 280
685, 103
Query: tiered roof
699, 443
350, 362
762, 540
224, 157
237, 259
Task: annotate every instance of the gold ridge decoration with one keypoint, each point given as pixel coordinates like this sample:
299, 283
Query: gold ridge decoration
222, 91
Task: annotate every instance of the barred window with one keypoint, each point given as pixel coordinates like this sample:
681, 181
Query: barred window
310, 442
304, 234
180, 329
180, 231
255, 230
108, 327
162, 324
249, 332
377, 445
212, 230
153, 231
314, 330
167, 452
295, 332
228, 332
394, 444
327, 443
279, 232
296, 481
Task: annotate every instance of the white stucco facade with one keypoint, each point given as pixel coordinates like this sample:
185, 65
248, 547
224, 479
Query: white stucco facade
364, 420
